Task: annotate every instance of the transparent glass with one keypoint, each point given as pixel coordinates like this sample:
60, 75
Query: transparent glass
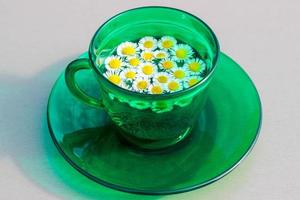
224, 133
148, 121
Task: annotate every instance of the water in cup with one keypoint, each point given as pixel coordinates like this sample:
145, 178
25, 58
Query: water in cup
154, 65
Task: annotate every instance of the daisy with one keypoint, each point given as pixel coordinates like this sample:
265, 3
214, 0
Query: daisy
179, 73
133, 61
128, 74
127, 49
191, 81
141, 105
174, 85
125, 84
114, 77
167, 42
148, 69
141, 84
182, 52
156, 89
195, 65
161, 106
162, 77
161, 54
148, 43
167, 64
113, 63
147, 55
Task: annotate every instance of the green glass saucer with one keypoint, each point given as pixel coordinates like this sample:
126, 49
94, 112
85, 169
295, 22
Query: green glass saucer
224, 134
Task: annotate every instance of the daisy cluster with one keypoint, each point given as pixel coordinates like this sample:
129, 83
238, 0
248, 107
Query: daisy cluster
154, 66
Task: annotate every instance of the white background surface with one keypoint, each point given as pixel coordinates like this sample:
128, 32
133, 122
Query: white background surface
38, 38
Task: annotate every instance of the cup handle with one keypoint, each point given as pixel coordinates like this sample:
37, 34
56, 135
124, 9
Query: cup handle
72, 68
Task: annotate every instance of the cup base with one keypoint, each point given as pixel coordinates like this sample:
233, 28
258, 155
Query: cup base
147, 144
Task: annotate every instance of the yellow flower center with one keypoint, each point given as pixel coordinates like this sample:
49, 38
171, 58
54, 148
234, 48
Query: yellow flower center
173, 86
130, 75
160, 55
167, 44
156, 89
148, 69
162, 79
194, 66
147, 56
148, 44
134, 62
129, 51
192, 82
114, 79
168, 64
181, 53
142, 85
114, 63
179, 74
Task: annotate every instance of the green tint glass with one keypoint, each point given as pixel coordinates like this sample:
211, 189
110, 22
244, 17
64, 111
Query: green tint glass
224, 133
148, 121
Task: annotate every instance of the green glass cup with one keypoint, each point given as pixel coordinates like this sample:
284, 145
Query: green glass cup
149, 121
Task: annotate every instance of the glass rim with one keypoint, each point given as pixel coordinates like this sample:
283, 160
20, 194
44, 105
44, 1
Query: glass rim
177, 93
